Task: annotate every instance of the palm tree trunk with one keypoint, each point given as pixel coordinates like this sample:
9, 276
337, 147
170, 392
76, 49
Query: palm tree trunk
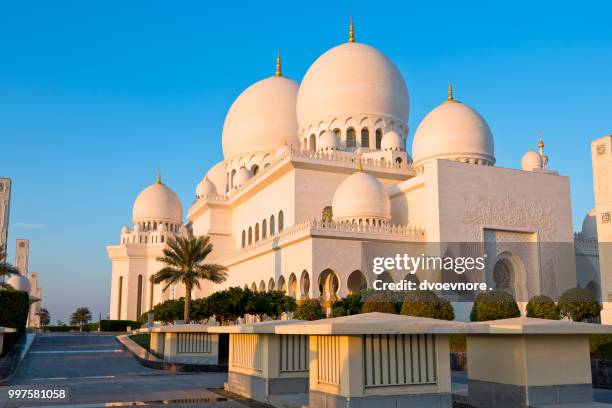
188, 287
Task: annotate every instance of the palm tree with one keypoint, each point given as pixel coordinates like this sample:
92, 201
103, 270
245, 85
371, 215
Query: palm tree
45, 316
184, 259
6, 269
81, 316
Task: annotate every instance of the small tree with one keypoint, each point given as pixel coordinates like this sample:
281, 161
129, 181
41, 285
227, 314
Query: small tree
271, 304
168, 311
45, 317
6, 270
184, 259
309, 309
493, 305
81, 316
425, 303
578, 304
349, 305
229, 305
378, 301
201, 310
542, 307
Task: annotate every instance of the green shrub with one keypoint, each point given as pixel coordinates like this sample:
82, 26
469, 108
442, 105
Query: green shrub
351, 304
578, 304
117, 325
14, 306
271, 304
542, 307
339, 311
601, 346
91, 327
379, 302
425, 303
168, 311
493, 305
309, 309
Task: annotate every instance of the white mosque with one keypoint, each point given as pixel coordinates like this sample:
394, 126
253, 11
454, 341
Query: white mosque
316, 180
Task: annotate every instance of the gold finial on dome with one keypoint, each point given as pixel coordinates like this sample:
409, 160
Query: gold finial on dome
450, 97
159, 178
351, 31
359, 165
279, 69
541, 143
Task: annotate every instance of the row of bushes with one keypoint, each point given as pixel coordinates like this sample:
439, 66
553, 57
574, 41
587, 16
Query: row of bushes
226, 306
577, 304
116, 325
14, 306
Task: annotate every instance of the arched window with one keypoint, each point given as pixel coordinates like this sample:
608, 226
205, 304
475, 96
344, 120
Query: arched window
243, 238
365, 137
232, 178
256, 232
250, 235
255, 169
338, 134
351, 138
151, 294
120, 296
272, 227
264, 229
378, 138
281, 221
313, 143
139, 297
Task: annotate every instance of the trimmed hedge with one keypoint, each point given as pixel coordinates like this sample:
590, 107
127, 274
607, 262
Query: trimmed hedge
578, 304
14, 305
118, 325
497, 304
542, 307
62, 328
425, 303
309, 309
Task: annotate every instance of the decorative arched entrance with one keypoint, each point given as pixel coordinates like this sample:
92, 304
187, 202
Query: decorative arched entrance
356, 282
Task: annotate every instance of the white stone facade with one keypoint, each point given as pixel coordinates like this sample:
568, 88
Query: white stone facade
264, 205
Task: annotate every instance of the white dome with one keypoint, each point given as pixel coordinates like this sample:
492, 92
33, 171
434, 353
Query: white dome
157, 203
281, 151
218, 175
205, 187
327, 141
19, 282
125, 229
453, 131
361, 197
262, 118
391, 141
531, 160
589, 226
352, 79
242, 176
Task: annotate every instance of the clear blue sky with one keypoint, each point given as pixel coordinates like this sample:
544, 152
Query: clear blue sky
95, 97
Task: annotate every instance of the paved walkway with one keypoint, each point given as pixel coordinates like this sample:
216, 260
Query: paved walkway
97, 369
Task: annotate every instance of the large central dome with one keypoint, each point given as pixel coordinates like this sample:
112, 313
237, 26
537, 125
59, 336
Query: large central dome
352, 79
262, 118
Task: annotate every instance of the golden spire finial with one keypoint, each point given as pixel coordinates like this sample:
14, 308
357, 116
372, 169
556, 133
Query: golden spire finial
351, 31
541, 143
158, 178
279, 70
359, 165
450, 91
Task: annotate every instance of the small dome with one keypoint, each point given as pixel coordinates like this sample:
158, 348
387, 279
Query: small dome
205, 188
262, 118
361, 197
282, 151
391, 141
125, 229
352, 79
531, 161
218, 175
19, 282
453, 131
327, 141
242, 176
589, 226
157, 203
